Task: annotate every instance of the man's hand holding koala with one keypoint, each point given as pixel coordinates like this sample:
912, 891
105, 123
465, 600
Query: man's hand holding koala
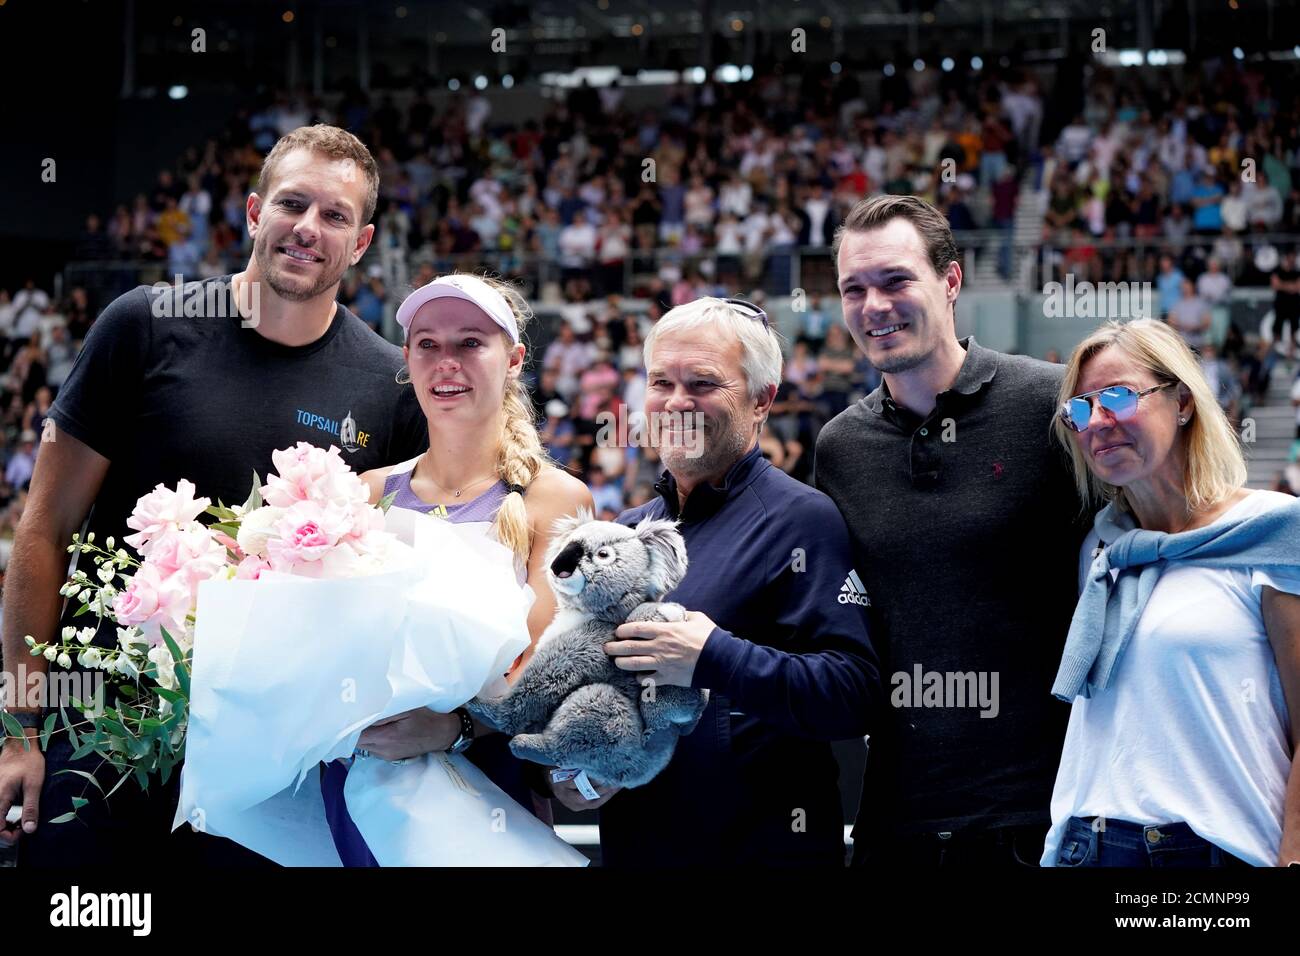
663, 652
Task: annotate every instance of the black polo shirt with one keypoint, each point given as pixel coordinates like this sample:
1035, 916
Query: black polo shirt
966, 527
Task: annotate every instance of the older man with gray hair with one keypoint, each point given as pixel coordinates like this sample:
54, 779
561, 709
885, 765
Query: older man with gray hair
776, 626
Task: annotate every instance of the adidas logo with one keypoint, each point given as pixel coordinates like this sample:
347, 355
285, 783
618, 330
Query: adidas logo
853, 592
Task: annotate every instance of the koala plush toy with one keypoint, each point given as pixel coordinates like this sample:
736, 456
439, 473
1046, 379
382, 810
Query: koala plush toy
571, 707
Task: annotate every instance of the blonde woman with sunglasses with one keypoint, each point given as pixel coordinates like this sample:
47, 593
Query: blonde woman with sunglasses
1183, 659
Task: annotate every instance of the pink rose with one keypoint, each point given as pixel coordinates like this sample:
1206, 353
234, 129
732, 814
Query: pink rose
139, 602
308, 473
191, 552
304, 533
151, 602
162, 510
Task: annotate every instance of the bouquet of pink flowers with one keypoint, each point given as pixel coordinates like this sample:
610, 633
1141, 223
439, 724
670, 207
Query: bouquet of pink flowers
312, 519
258, 646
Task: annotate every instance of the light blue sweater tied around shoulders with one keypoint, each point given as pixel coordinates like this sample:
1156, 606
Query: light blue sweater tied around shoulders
1108, 612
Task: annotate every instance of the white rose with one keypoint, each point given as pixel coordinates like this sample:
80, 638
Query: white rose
256, 527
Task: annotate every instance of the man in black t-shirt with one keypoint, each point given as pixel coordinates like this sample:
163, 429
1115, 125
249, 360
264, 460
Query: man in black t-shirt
202, 382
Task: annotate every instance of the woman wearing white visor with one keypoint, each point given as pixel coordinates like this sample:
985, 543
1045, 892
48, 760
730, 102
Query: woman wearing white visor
485, 470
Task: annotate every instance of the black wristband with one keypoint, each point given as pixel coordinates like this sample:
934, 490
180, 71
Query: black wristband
466, 737
29, 719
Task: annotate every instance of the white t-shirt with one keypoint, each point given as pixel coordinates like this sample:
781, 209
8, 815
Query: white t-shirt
1193, 727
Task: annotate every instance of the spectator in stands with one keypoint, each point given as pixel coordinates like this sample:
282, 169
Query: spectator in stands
1233, 209
1190, 316
78, 314
1074, 141
557, 433
608, 498
1169, 284
29, 304
814, 323
568, 358
1213, 285
1223, 381
7, 314
1264, 203
60, 354
370, 298
1286, 303
577, 246
19, 470
94, 242
837, 367
196, 204
1206, 198
613, 245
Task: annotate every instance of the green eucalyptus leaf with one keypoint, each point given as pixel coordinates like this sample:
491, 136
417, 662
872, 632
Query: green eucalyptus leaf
47, 730
82, 773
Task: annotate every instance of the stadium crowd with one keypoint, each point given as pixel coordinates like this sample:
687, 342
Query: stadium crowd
616, 214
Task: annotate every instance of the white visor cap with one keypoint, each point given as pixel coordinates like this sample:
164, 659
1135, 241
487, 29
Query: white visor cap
467, 287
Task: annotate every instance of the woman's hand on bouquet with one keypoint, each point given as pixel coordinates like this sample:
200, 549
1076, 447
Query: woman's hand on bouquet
567, 792
412, 734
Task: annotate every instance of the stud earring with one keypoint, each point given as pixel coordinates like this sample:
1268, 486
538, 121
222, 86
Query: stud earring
1182, 421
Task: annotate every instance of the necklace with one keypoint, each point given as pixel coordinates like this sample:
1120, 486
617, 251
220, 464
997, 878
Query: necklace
458, 492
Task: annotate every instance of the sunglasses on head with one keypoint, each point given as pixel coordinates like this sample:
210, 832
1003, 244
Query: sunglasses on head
1120, 400
755, 312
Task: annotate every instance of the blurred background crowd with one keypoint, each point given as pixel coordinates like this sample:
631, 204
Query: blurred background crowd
612, 202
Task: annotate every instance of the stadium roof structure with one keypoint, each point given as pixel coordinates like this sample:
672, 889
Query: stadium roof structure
402, 44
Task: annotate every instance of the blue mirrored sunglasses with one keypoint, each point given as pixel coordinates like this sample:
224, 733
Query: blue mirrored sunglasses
1120, 400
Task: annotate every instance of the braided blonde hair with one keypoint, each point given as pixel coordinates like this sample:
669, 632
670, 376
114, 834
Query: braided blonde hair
520, 458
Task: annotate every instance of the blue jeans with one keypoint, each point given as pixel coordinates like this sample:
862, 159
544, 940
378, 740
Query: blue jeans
1122, 843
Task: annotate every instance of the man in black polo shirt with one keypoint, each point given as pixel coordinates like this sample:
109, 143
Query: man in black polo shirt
201, 382
967, 530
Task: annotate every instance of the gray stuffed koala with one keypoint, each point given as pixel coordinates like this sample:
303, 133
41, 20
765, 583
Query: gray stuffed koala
571, 706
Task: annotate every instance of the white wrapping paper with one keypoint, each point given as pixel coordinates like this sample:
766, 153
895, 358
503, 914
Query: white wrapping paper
288, 671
